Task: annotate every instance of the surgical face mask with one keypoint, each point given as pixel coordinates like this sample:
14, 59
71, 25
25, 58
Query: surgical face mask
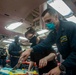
33, 40
50, 26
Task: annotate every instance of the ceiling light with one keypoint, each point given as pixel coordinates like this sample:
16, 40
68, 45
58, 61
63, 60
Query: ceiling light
7, 45
42, 31
54, 46
23, 38
72, 18
11, 39
6, 41
60, 6
14, 25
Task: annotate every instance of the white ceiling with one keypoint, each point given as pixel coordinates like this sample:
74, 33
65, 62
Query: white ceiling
16, 10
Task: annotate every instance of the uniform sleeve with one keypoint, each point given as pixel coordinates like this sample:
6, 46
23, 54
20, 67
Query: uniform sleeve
32, 57
70, 62
12, 51
46, 44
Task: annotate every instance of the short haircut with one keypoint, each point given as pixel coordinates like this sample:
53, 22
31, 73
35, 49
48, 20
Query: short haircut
16, 37
51, 11
30, 31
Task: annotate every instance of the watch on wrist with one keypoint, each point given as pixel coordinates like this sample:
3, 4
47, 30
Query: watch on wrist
62, 68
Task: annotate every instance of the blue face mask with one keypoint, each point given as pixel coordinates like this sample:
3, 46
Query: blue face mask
50, 26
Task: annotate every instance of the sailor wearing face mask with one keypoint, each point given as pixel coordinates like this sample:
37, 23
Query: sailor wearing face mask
31, 35
40, 57
64, 35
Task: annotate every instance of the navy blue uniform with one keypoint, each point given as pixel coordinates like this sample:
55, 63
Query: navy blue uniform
35, 57
34, 41
65, 39
14, 49
3, 55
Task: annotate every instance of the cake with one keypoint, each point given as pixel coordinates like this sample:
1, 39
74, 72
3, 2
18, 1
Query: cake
9, 71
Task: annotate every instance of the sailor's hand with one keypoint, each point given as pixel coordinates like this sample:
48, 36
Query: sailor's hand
43, 62
25, 55
55, 71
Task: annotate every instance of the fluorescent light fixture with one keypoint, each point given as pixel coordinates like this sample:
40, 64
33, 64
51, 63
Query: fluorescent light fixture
6, 41
14, 25
54, 46
7, 45
42, 31
60, 6
11, 39
72, 18
23, 38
